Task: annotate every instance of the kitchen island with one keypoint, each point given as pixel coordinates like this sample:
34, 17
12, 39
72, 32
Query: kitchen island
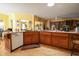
52, 38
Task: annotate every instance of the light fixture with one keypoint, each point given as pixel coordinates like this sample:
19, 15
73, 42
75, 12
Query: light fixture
23, 20
50, 4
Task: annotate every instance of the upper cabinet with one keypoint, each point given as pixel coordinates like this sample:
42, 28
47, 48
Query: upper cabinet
38, 23
68, 22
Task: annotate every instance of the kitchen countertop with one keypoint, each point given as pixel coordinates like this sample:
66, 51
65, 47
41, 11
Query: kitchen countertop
56, 31
61, 31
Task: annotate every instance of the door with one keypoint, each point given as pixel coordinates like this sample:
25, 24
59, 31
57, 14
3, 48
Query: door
1, 27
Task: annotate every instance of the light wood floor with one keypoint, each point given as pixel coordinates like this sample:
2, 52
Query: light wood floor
44, 50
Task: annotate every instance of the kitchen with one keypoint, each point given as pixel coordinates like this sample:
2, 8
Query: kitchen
36, 30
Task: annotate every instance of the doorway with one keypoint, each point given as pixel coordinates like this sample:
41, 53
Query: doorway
1, 27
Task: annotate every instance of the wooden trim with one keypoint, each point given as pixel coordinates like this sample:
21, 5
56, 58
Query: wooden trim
11, 41
34, 23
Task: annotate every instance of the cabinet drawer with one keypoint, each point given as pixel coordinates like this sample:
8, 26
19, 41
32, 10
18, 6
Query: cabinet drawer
45, 33
59, 34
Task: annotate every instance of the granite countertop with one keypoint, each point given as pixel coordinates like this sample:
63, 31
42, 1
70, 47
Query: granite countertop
51, 31
60, 31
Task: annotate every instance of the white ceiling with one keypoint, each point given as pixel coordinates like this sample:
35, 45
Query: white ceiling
42, 10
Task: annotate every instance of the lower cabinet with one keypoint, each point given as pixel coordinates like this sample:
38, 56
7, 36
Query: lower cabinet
27, 38
60, 40
8, 44
30, 37
35, 37
49, 38
45, 38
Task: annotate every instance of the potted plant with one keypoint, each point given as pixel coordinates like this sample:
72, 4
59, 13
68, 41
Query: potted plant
66, 28
77, 27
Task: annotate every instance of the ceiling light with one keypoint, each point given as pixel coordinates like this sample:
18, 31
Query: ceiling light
50, 4
23, 20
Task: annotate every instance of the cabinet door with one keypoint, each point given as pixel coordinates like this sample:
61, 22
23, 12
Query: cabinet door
27, 38
60, 41
47, 39
35, 38
42, 39
63, 42
55, 41
8, 43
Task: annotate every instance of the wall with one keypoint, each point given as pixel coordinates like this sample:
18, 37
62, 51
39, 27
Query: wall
22, 16
29, 17
18, 17
5, 19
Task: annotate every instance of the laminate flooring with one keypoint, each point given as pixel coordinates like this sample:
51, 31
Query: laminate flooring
43, 50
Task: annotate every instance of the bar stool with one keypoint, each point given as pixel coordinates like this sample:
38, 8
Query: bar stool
74, 43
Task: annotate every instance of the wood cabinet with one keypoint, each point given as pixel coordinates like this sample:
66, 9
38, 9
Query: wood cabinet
60, 40
8, 45
27, 37
60, 24
30, 37
45, 38
35, 37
